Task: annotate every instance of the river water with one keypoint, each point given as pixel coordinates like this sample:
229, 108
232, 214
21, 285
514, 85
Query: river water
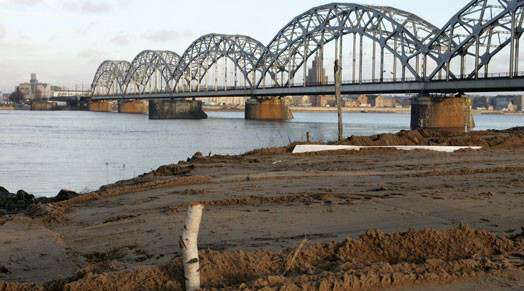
45, 151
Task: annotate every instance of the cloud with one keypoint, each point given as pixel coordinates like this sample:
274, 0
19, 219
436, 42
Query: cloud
91, 53
3, 32
86, 28
188, 33
88, 6
53, 38
121, 39
43, 15
21, 2
160, 35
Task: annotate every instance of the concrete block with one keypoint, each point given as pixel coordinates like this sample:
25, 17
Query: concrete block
442, 113
176, 109
137, 107
268, 109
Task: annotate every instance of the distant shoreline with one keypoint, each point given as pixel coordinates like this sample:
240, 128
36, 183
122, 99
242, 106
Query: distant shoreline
218, 108
221, 108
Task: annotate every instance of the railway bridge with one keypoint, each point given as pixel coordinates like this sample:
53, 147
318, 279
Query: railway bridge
379, 49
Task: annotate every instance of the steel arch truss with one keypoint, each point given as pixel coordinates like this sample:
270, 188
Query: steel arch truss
478, 32
475, 35
151, 64
110, 77
310, 31
206, 52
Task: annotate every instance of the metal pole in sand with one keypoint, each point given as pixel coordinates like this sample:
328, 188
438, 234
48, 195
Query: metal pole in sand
188, 244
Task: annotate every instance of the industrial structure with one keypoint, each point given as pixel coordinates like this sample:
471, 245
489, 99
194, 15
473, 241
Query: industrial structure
36, 90
392, 51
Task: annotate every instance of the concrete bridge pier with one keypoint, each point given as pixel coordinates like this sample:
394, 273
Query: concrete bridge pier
101, 106
274, 108
176, 109
442, 113
136, 106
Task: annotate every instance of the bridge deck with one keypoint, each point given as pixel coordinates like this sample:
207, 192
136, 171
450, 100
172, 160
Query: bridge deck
504, 84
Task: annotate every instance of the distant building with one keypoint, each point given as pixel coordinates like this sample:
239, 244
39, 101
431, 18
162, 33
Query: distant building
59, 92
518, 101
504, 103
362, 101
301, 100
37, 90
230, 101
316, 75
390, 102
376, 101
501, 103
482, 103
357, 101
404, 102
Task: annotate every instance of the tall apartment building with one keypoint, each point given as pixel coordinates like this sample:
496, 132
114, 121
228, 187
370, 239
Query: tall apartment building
316, 75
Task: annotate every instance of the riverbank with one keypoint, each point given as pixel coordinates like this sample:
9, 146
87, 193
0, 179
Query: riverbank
444, 218
15, 107
309, 109
240, 108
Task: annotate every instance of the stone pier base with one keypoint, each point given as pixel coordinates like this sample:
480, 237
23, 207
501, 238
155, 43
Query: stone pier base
101, 106
43, 106
268, 109
176, 109
442, 113
137, 107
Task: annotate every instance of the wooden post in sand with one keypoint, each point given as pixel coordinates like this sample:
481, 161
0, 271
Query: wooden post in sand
338, 84
189, 245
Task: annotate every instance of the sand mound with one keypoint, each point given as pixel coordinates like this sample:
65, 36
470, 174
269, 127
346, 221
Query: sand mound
168, 170
374, 260
508, 138
134, 185
47, 213
488, 139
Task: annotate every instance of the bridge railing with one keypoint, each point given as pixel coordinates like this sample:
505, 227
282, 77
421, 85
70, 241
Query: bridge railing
329, 83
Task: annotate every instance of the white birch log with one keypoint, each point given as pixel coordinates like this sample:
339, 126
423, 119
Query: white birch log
188, 243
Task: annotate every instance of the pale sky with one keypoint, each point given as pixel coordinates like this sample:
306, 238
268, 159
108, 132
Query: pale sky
64, 41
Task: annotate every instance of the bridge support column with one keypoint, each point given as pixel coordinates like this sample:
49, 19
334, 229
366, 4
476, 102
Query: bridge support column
43, 106
268, 109
101, 106
442, 113
176, 109
137, 106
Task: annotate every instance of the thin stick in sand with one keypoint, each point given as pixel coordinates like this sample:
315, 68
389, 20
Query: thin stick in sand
291, 260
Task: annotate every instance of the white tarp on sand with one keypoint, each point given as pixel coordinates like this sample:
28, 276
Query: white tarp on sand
309, 148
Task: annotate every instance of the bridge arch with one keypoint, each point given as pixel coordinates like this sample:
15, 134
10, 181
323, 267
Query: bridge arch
480, 31
309, 32
206, 51
110, 77
151, 63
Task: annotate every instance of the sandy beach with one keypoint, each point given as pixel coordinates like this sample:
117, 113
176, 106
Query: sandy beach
377, 218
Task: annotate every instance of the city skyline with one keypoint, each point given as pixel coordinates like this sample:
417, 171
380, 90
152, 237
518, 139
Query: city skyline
49, 37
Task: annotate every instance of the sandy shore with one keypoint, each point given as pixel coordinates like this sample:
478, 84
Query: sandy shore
373, 219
